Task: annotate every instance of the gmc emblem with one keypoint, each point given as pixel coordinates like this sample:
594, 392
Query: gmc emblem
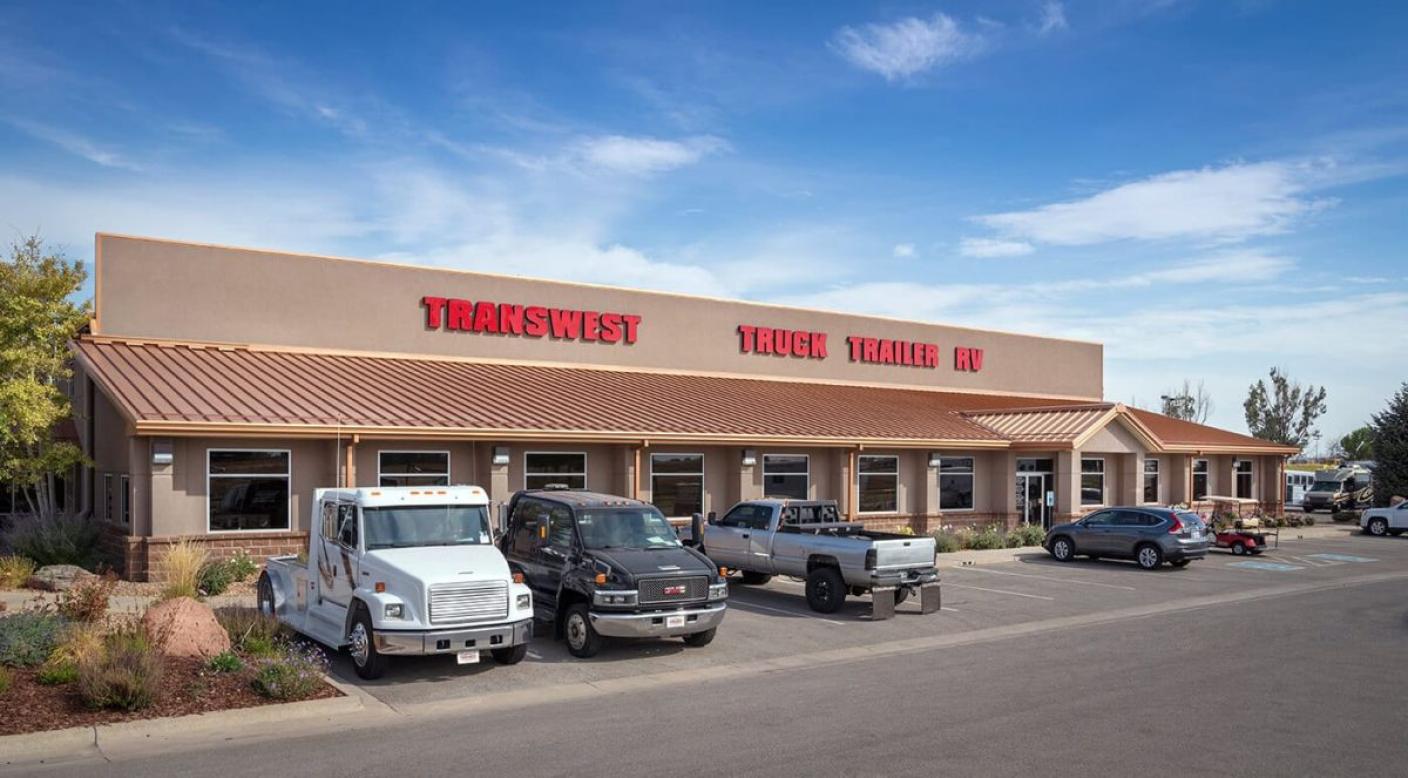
676, 590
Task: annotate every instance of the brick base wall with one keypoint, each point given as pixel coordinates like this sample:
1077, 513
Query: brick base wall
141, 559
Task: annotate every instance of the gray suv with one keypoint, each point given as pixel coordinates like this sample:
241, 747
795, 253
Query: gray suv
1148, 535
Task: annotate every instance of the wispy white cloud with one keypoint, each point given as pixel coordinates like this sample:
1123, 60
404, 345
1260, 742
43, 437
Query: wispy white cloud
904, 250
993, 247
1229, 203
907, 47
646, 155
1053, 18
75, 144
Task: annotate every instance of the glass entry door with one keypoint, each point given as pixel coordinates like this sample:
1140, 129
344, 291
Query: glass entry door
1032, 488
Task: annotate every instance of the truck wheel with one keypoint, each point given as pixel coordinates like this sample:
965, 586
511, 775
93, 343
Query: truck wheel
582, 640
826, 590
265, 593
700, 639
1149, 556
1378, 527
369, 664
901, 594
755, 579
510, 656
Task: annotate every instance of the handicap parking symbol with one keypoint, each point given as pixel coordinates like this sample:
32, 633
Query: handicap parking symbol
1340, 558
1279, 567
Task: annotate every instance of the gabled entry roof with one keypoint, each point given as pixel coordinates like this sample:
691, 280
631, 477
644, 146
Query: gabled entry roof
166, 388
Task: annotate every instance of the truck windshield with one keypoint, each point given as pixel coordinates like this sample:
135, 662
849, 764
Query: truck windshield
1326, 486
625, 528
406, 526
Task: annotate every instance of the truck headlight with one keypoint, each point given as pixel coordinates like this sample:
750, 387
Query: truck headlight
610, 597
718, 591
394, 610
524, 601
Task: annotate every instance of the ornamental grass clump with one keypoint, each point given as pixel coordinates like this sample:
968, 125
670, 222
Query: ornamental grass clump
27, 639
252, 632
183, 562
126, 675
82, 642
294, 673
947, 542
15, 570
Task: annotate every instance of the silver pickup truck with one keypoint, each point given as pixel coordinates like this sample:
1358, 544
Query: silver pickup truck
809, 540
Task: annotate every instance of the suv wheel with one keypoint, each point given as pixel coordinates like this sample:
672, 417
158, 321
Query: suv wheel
1378, 527
582, 640
361, 645
1149, 556
1062, 549
826, 590
700, 639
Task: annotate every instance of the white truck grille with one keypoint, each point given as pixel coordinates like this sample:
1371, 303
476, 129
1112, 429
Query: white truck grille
451, 603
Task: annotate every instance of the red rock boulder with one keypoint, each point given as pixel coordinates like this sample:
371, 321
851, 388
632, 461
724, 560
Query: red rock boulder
184, 627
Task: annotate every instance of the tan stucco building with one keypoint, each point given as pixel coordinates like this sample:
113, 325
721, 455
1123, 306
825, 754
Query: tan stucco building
217, 387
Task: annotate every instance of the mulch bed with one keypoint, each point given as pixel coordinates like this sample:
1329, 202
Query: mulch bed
187, 687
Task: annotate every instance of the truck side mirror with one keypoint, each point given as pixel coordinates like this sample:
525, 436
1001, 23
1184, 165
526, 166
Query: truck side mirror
713, 517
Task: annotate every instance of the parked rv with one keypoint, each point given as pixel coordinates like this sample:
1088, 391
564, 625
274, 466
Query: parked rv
401, 571
808, 539
1345, 488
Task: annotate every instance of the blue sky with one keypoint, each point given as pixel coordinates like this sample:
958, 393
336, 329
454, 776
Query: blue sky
1208, 188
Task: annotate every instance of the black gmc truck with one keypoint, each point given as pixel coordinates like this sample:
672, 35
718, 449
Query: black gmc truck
610, 566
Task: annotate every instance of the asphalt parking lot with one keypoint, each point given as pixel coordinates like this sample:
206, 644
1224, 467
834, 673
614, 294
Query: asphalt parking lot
773, 622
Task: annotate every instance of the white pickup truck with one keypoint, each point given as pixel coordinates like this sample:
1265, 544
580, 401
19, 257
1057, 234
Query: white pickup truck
400, 571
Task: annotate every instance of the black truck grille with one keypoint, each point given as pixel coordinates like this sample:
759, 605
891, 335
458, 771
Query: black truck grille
681, 589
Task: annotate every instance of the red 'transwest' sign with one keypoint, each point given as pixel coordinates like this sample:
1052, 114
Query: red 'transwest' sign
533, 321
807, 344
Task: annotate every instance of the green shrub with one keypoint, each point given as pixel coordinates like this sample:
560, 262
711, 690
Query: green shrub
1309, 520
57, 673
215, 577
991, 536
1026, 535
947, 542
251, 632
294, 673
5, 679
87, 600
126, 676
225, 662
15, 571
26, 639
57, 540
243, 566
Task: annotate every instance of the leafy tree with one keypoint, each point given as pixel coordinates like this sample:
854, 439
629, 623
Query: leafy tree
1391, 449
1358, 444
1286, 413
37, 319
1190, 403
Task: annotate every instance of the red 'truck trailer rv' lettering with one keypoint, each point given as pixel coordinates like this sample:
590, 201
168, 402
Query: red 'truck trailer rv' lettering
532, 321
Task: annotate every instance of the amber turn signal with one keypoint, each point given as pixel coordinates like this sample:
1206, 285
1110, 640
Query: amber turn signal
601, 578
518, 578
380, 587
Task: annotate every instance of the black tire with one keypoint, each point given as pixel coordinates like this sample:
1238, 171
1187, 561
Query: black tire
264, 593
582, 640
1239, 548
1180, 564
901, 594
1148, 556
1377, 527
826, 590
510, 656
700, 639
755, 579
1063, 549
369, 664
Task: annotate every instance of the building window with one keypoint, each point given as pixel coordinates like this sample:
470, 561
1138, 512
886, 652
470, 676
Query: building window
1243, 471
126, 501
248, 489
956, 484
785, 475
554, 467
413, 468
677, 483
107, 498
1200, 479
1092, 482
879, 482
1151, 480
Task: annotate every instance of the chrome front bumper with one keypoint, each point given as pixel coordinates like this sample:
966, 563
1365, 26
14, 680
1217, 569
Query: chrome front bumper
653, 624
452, 640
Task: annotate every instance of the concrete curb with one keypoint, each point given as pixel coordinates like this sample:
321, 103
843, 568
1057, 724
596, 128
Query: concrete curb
99, 742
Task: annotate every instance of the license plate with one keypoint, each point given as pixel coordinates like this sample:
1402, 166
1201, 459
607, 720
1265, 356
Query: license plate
1197, 534
467, 658
674, 621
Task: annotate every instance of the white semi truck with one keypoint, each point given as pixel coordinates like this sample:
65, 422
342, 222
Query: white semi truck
395, 571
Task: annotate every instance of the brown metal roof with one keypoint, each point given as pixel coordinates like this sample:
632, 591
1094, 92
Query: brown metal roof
1043, 425
1179, 434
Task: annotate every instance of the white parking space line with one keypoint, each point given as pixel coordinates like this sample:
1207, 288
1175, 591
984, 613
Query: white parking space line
946, 608
1311, 562
1046, 578
1002, 591
746, 605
